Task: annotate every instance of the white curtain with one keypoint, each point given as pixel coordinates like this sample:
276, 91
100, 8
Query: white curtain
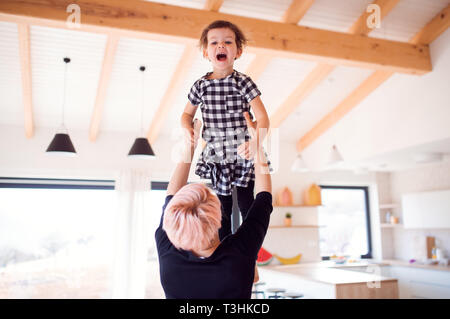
131, 237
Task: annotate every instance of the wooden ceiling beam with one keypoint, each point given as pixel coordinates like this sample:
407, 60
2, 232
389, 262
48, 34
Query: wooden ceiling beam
360, 26
164, 22
296, 11
439, 24
322, 70
213, 5
105, 76
175, 84
25, 65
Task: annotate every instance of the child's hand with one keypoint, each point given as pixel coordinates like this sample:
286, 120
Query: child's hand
196, 125
193, 133
248, 149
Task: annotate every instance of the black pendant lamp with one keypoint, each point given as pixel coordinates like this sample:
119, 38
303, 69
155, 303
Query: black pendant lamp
141, 147
61, 143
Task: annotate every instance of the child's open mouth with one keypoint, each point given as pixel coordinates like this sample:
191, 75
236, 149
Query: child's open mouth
221, 57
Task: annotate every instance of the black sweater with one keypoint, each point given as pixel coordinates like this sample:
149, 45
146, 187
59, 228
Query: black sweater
228, 272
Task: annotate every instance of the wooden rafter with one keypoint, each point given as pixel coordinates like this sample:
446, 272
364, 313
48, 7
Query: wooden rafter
293, 14
428, 34
166, 22
322, 70
108, 61
25, 64
181, 71
296, 11
176, 82
361, 27
213, 5
258, 65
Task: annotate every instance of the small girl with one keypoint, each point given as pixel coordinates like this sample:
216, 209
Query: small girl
224, 95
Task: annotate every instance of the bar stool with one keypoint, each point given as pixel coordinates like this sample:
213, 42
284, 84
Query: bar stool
293, 295
276, 293
256, 291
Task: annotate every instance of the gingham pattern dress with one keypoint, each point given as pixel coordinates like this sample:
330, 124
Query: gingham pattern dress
223, 103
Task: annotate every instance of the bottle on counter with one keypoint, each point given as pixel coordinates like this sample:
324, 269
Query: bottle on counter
434, 253
388, 217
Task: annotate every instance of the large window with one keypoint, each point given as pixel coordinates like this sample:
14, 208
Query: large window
153, 289
56, 238
346, 217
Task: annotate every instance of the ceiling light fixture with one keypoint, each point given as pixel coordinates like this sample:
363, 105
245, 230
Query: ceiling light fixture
61, 143
141, 147
299, 164
335, 158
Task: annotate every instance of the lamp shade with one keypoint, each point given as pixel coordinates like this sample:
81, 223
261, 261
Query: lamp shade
141, 148
299, 165
61, 145
335, 157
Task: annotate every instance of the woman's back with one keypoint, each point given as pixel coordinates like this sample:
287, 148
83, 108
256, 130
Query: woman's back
228, 272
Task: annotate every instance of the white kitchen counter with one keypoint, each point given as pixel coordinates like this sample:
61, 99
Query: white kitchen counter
328, 274
403, 263
317, 280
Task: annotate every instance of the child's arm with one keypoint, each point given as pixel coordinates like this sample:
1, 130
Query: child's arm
187, 117
248, 149
261, 117
263, 180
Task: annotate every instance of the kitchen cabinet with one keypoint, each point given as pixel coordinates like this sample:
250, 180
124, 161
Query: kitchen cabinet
426, 209
421, 283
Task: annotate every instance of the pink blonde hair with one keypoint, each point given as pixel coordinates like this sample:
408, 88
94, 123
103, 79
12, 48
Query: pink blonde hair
192, 217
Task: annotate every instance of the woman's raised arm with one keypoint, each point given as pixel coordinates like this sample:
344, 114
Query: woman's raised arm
181, 173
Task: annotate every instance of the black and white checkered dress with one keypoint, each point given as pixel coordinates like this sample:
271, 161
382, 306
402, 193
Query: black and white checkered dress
223, 103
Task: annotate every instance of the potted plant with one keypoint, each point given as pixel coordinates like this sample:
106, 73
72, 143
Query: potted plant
288, 219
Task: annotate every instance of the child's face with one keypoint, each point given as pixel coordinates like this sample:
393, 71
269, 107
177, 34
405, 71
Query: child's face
222, 49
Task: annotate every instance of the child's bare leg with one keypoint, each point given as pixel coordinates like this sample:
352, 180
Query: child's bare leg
256, 278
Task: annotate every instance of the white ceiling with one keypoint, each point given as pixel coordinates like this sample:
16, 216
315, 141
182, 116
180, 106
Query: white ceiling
402, 159
122, 106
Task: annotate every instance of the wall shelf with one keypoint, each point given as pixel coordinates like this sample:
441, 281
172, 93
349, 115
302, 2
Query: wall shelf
385, 225
296, 226
389, 206
291, 206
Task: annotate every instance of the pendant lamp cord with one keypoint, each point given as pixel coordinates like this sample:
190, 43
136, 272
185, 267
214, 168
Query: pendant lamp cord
64, 93
142, 104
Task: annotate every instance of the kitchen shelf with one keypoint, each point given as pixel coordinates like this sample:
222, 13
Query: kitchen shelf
274, 205
389, 206
385, 225
296, 226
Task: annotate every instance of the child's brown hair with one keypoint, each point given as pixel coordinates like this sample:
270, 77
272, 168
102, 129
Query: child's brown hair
240, 38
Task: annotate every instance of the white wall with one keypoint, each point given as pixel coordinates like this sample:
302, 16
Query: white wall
430, 177
22, 157
404, 111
